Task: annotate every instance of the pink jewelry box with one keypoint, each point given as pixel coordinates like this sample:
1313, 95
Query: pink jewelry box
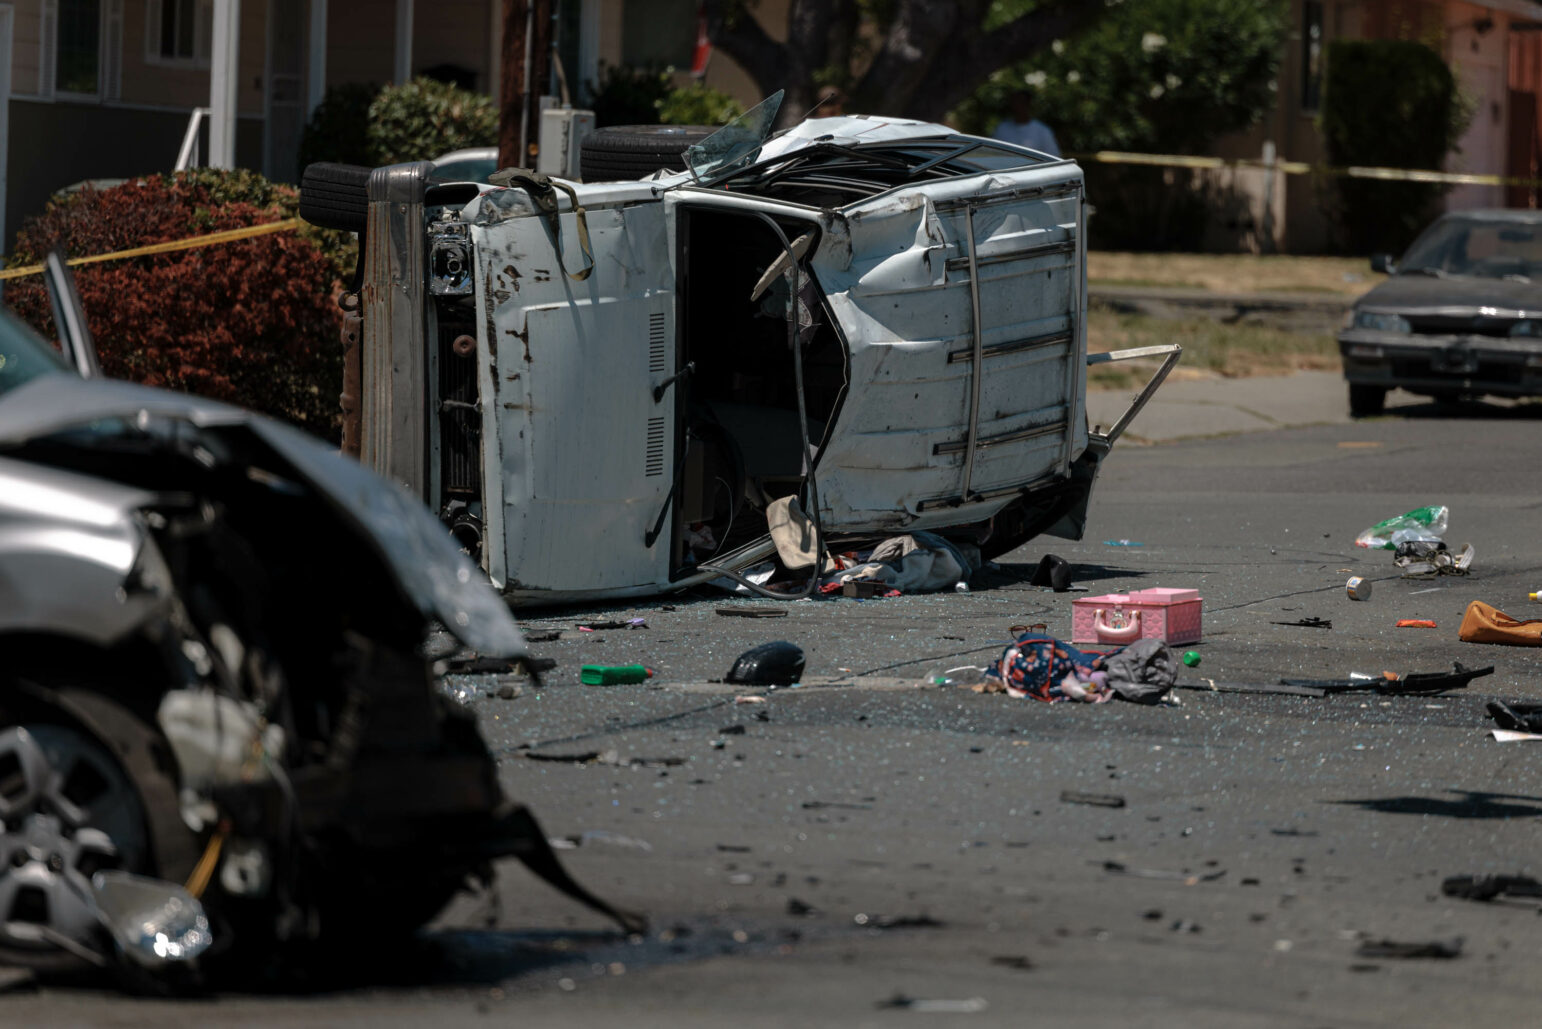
1119, 619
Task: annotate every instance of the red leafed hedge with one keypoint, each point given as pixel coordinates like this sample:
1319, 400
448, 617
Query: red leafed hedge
252, 322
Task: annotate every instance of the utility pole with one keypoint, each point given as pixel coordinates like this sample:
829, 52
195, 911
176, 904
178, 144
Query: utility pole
526, 67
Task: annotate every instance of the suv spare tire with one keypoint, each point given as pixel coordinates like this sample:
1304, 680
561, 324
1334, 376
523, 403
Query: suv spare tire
335, 196
623, 152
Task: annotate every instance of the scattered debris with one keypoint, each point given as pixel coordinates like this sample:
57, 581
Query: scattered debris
770, 664
1018, 961
1187, 878
1186, 926
1392, 684
1490, 887
614, 675
1307, 623
753, 612
1423, 523
630, 623
599, 836
798, 909
1191, 658
1122, 543
897, 921
748, 698
1483, 623
612, 758
819, 805
1416, 623
1293, 832
732, 730
966, 1006
508, 691
1358, 588
543, 637
1393, 949
1046, 669
733, 848
1513, 736
1518, 715
863, 588
1091, 799
1425, 559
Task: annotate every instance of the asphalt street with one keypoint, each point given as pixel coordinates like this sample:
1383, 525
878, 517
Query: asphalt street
885, 850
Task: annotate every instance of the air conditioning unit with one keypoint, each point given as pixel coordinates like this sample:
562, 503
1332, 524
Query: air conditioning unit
563, 131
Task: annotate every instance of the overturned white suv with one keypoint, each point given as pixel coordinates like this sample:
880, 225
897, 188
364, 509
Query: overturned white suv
602, 387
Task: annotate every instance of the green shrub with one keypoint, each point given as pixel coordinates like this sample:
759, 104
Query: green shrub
629, 96
1164, 76
252, 322
1386, 104
423, 119
698, 104
338, 129
417, 121
1151, 76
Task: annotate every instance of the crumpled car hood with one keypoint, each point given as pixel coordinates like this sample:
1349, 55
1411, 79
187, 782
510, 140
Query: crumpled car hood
1423, 292
441, 581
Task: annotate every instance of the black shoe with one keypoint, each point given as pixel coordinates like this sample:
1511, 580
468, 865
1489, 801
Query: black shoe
1053, 572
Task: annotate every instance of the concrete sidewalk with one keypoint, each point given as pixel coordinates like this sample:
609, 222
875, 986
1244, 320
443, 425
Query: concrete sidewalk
1215, 407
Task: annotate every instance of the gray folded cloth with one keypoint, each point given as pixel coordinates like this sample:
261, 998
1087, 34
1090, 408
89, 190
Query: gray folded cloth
1143, 672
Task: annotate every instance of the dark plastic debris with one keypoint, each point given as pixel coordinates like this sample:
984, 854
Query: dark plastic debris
753, 612
1413, 684
1393, 949
770, 664
1516, 716
1490, 887
1307, 623
1093, 799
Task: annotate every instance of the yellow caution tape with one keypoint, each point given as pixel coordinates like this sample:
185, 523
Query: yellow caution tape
212, 239
1301, 168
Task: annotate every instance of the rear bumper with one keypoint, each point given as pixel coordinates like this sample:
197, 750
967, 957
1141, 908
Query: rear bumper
1434, 364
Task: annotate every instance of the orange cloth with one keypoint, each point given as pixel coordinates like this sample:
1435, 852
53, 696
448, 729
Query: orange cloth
1484, 623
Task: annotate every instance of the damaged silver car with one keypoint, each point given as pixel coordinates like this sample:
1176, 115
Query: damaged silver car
220, 739
605, 389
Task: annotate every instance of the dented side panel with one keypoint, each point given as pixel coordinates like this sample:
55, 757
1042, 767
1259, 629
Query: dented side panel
576, 447
903, 294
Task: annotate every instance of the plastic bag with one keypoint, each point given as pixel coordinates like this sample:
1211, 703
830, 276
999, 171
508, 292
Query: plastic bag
1423, 523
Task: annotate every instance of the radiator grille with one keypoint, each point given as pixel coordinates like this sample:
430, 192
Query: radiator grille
460, 429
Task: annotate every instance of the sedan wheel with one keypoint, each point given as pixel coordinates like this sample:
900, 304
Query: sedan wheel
67, 811
1365, 401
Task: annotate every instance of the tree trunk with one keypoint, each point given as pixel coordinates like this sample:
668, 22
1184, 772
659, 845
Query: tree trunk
526, 30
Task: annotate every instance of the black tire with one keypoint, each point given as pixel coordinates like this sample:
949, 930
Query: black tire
625, 152
1366, 400
335, 196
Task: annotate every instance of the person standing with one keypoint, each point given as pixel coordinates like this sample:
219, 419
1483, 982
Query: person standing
1024, 129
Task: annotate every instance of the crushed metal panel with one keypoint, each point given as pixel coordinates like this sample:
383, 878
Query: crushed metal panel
583, 450
905, 306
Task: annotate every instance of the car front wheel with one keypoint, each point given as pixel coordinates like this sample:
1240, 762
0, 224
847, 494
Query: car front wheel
1365, 401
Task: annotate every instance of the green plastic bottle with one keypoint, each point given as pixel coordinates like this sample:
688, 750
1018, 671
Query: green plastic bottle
614, 675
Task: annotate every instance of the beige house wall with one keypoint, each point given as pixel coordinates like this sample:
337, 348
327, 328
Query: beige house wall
24, 47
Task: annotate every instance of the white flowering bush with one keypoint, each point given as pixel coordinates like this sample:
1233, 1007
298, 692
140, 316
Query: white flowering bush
1163, 76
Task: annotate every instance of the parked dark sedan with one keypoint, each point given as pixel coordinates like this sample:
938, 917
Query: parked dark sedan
1460, 317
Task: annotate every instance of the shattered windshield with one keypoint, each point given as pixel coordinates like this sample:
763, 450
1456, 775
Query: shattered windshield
1479, 248
737, 143
24, 356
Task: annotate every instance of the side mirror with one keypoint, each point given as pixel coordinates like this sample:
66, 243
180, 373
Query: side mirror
1383, 263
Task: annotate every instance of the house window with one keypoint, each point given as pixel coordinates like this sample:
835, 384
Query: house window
1311, 55
179, 31
78, 57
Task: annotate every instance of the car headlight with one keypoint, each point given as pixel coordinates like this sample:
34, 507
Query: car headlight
1381, 322
1526, 327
